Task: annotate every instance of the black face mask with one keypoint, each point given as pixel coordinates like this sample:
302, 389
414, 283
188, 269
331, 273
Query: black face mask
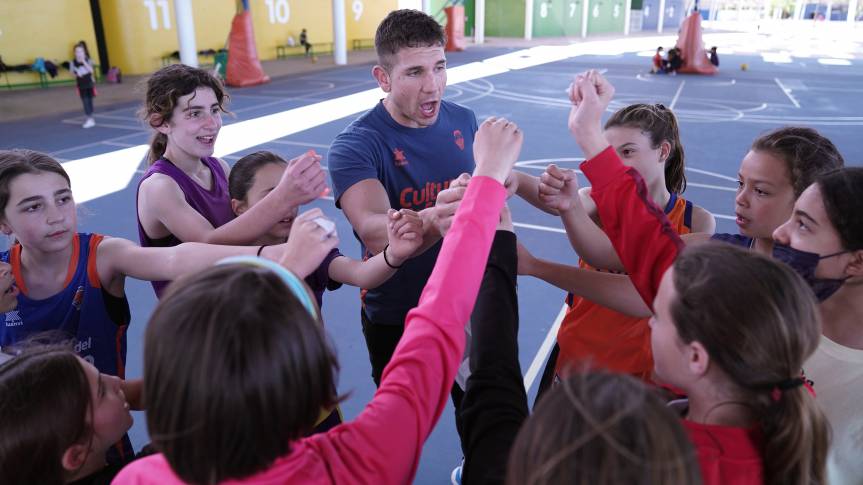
804, 263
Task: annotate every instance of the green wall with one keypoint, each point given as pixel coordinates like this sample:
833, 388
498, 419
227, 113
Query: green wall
504, 18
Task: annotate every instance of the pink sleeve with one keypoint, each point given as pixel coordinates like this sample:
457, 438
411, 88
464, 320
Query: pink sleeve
383, 444
640, 232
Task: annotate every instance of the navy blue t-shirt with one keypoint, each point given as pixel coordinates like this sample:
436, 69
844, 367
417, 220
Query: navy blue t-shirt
413, 165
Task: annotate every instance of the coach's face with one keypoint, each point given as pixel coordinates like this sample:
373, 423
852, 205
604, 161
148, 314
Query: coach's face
414, 84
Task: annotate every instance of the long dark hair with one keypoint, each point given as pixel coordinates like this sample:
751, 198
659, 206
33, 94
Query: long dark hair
758, 321
842, 194
45, 407
235, 369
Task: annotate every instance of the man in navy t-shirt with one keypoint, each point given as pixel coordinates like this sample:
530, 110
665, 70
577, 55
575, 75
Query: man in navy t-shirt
401, 154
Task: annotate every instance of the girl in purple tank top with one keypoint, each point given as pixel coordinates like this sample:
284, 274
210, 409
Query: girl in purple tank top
183, 196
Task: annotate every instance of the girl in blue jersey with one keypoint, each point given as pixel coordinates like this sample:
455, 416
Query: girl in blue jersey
73, 283
46, 443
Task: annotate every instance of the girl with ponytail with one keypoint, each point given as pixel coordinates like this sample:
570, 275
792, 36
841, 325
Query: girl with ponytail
731, 328
598, 329
183, 196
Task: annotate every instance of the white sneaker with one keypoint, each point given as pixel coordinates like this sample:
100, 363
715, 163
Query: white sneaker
89, 123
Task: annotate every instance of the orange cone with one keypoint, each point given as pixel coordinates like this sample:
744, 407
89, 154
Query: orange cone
691, 45
244, 67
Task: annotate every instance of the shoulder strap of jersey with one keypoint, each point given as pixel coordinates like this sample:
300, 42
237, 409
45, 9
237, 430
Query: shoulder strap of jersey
92, 272
687, 215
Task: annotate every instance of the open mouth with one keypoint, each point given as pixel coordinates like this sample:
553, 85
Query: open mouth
429, 109
741, 221
207, 140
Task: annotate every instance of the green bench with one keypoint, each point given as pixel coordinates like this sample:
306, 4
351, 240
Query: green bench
285, 51
359, 44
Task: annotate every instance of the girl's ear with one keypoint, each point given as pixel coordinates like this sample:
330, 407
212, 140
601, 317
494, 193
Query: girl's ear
5, 228
74, 457
697, 358
664, 151
854, 268
159, 124
238, 206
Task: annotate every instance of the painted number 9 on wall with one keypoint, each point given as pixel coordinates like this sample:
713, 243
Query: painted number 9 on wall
279, 11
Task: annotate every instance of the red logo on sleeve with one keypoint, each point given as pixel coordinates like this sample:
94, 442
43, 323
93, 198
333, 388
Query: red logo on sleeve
399, 158
459, 139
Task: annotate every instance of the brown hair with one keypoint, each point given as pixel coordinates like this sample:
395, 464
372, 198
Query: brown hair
18, 162
660, 124
44, 407
164, 88
406, 28
842, 194
758, 321
602, 428
806, 152
235, 369
243, 172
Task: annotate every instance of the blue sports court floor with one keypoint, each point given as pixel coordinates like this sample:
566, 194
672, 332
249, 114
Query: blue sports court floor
720, 116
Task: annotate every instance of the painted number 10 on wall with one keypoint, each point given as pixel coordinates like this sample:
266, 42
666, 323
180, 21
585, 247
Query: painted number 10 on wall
279, 11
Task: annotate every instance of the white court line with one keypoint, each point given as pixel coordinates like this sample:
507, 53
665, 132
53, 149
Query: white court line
707, 172
708, 186
300, 143
539, 228
677, 95
787, 92
543, 351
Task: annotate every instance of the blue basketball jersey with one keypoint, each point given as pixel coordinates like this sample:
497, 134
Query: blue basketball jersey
82, 311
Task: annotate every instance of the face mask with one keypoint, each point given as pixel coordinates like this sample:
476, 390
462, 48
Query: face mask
804, 263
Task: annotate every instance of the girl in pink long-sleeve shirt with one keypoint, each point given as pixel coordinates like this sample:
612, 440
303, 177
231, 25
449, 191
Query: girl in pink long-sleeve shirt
233, 384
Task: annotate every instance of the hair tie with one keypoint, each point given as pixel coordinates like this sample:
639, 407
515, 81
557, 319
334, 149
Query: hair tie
786, 385
294, 283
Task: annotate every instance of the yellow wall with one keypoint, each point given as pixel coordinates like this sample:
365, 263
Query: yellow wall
274, 23
43, 28
371, 12
140, 32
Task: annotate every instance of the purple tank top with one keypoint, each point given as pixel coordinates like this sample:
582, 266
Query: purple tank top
213, 204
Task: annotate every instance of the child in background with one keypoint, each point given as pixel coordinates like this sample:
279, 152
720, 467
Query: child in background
82, 67
249, 429
659, 64
257, 174
183, 196
58, 418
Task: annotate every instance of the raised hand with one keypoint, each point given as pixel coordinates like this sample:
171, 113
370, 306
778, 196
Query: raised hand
496, 148
308, 244
304, 180
404, 234
590, 94
558, 188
